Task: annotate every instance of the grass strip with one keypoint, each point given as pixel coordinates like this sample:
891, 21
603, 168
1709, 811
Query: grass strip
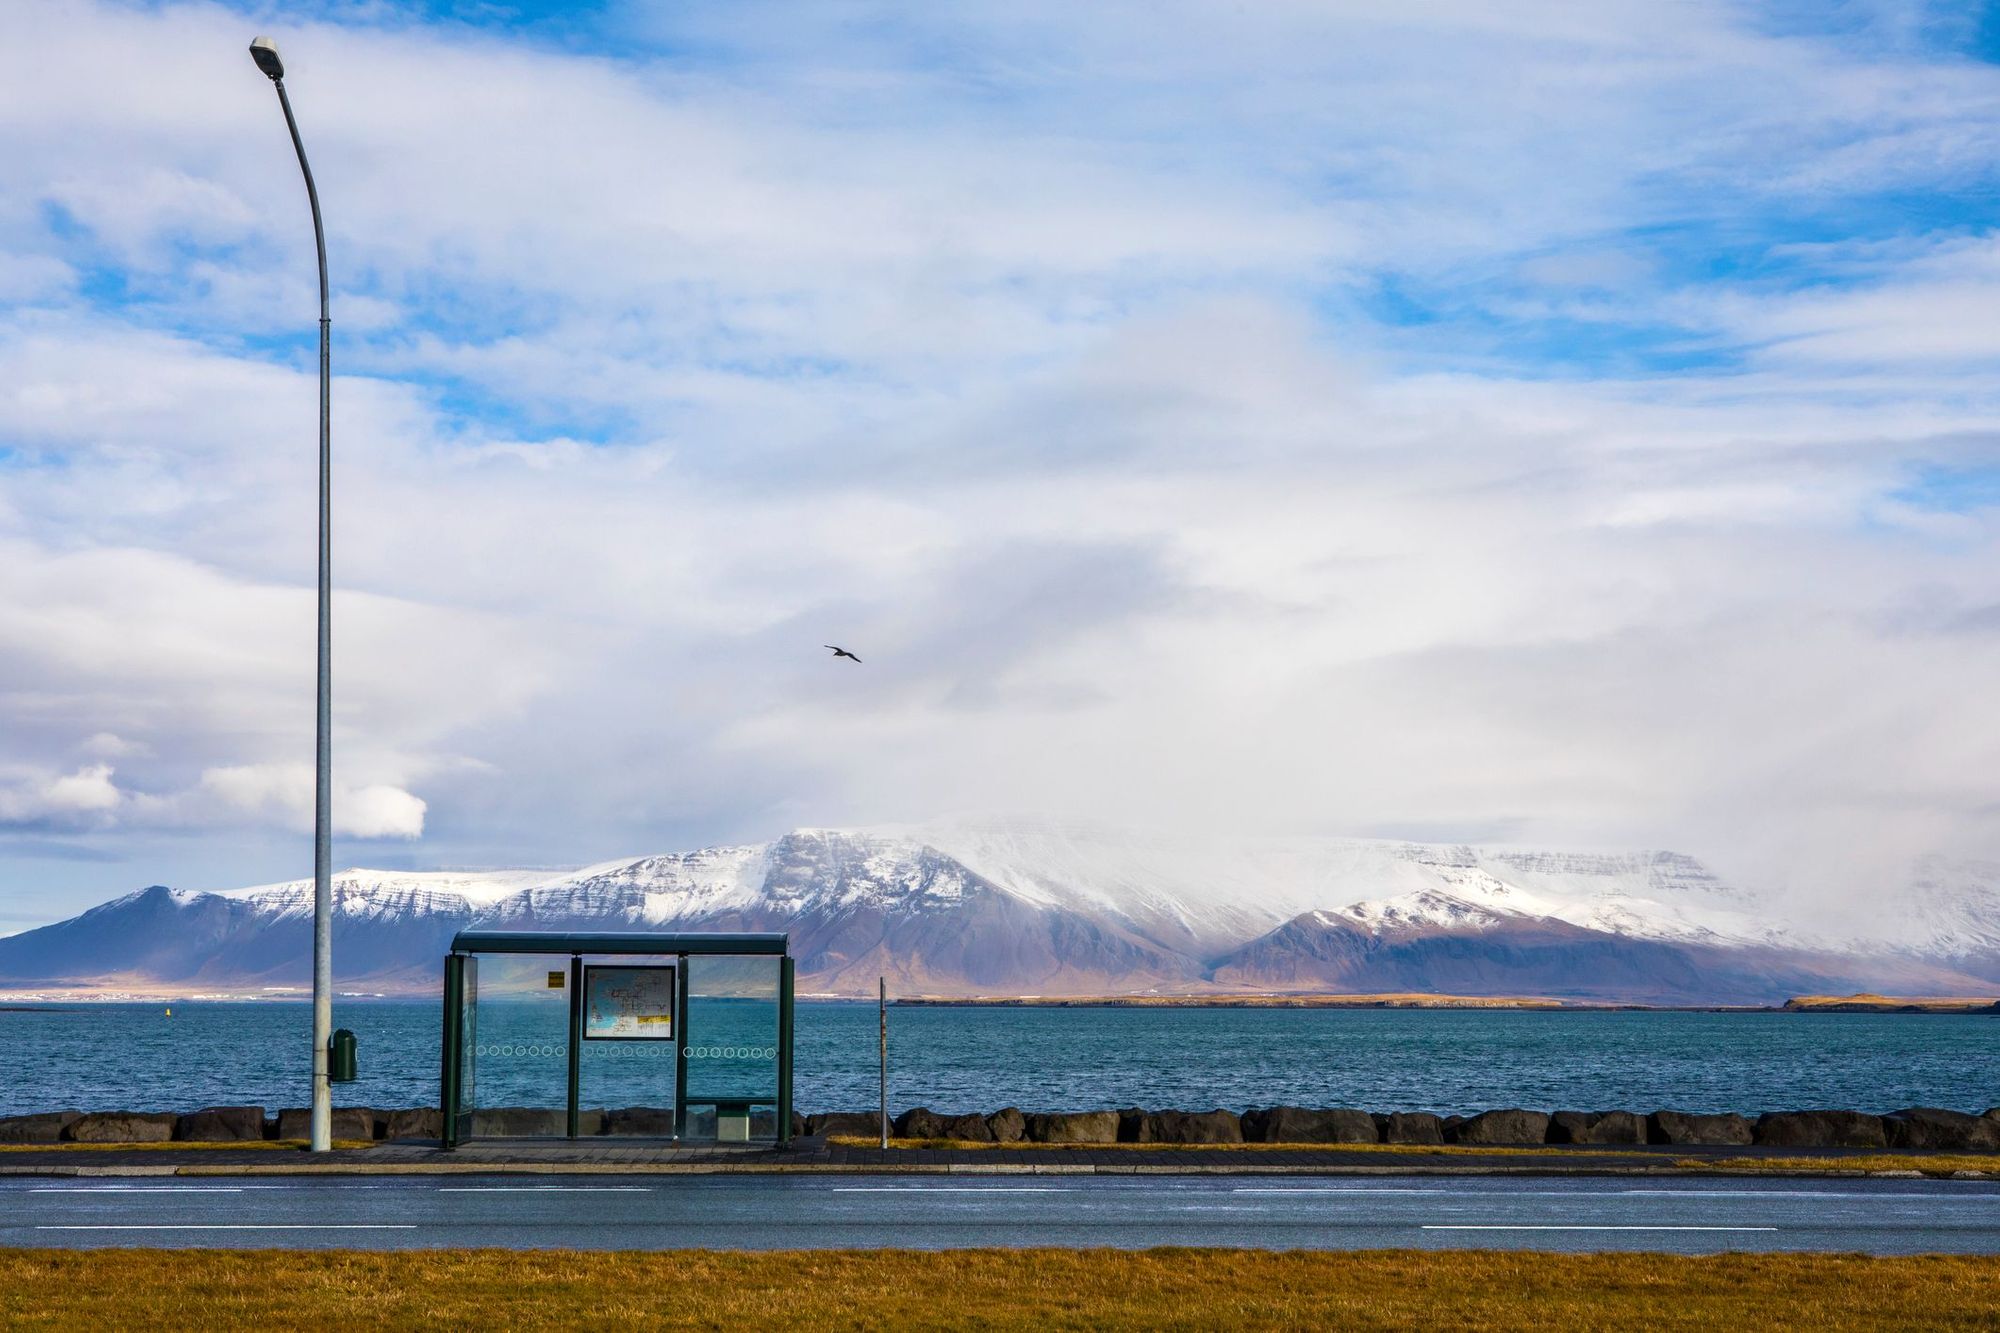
1931, 1164
989, 1289
1388, 1149
236, 1145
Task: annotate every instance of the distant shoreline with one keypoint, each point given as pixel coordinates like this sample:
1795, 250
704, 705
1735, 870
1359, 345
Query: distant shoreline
1805, 1004
1534, 1004
1408, 1001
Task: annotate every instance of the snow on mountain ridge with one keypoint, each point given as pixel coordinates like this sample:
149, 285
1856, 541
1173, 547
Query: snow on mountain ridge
1185, 893
388, 893
654, 890
1422, 909
996, 908
1207, 893
1953, 909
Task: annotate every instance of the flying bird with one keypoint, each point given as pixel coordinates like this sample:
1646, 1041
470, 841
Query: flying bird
841, 652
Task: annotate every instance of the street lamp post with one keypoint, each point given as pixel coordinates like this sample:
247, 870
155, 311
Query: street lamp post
265, 52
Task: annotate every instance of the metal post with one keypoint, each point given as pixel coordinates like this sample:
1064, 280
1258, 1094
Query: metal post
266, 56
883, 1012
448, 1047
575, 1040
785, 1039
681, 1038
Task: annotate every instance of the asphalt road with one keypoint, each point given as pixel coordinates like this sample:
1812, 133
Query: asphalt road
933, 1212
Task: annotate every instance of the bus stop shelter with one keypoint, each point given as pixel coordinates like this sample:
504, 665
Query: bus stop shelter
572, 1035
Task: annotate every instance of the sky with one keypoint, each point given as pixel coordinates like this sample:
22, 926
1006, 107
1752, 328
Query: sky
1568, 424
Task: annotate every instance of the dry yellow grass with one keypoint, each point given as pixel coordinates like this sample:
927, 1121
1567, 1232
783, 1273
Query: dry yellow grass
1870, 1000
1392, 1149
1931, 1164
989, 1289
237, 1145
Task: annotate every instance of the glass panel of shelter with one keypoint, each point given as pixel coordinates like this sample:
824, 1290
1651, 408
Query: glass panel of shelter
730, 1048
514, 1051
625, 1077
459, 1105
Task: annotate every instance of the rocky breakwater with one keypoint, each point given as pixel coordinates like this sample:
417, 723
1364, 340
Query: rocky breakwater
216, 1124
1922, 1128
351, 1124
1917, 1127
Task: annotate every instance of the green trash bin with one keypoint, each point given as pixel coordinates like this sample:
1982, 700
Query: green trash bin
340, 1057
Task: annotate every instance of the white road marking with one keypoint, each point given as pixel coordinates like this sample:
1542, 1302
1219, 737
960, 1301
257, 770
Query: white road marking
1331, 1189
544, 1189
954, 1189
236, 1226
1509, 1226
137, 1189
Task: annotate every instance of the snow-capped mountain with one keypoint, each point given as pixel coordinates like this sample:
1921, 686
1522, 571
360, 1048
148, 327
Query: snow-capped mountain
1214, 893
1020, 908
1950, 914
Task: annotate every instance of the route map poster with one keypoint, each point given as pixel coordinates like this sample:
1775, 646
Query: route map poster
628, 1003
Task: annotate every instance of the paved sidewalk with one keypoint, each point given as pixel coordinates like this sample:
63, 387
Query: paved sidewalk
812, 1155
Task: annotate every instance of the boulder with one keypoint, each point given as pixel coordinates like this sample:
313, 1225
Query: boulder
865, 1124
349, 1123
1296, 1124
534, 1122
502, 1122
121, 1127
798, 1125
1189, 1127
1596, 1127
1073, 1127
1940, 1130
1820, 1129
220, 1124
1687, 1127
1511, 1127
1410, 1127
41, 1127
968, 1129
522, 1122
642, 1122
415, 1122
920, 1122
1007, 1125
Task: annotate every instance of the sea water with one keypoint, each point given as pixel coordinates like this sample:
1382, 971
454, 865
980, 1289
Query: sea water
963, 1058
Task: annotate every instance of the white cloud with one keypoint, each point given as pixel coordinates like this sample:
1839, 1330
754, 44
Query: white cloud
284, 792
1044, 380
62, 802
89, 801
104, 745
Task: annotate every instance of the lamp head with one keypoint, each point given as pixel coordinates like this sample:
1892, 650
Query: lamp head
265, 52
